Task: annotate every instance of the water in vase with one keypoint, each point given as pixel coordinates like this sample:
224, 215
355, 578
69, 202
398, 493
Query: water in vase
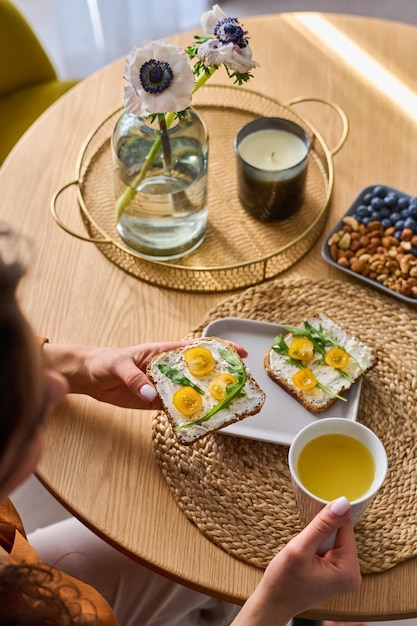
167, 216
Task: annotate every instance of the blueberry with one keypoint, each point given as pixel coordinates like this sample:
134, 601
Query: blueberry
397, 234
386, 222
399, 224
395, 217
413, 210
403, 202
366, 220
384, 212
367, 198
410, 223
379, 191
377, 203
405, 212
390, 200
414, 251
362, 210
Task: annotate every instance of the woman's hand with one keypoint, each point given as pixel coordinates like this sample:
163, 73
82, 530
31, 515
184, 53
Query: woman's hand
298, 578
113, 375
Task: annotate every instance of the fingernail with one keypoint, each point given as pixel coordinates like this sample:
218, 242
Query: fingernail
340, 506
148, 393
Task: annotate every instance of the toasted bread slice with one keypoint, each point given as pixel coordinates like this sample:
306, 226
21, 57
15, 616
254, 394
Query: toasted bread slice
244, 397
336, 382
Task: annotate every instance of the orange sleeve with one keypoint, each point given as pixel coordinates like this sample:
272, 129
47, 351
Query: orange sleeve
9, 515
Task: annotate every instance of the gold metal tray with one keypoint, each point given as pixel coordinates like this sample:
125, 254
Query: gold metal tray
238, 251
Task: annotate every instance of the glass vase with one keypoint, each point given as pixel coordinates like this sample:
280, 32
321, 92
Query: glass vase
161, 184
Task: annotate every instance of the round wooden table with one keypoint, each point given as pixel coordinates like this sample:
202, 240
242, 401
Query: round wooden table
98, 460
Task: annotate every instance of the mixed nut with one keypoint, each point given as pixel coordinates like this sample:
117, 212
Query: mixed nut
382, 249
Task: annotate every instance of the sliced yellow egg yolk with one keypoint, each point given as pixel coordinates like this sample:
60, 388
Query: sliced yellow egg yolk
187, 400
199, 360
304, 379
217, 387
337, 357
301, 349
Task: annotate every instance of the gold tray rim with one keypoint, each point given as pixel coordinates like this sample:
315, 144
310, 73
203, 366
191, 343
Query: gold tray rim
172, 266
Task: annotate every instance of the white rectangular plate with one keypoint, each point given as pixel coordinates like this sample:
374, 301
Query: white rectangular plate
281, 417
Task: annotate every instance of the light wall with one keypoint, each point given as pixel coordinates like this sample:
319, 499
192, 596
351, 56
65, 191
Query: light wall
83, 35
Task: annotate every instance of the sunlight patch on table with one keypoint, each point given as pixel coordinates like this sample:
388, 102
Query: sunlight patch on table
361, 62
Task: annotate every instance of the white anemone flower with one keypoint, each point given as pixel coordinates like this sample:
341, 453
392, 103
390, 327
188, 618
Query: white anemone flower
159, 79
230, 45
209, 19
214, 53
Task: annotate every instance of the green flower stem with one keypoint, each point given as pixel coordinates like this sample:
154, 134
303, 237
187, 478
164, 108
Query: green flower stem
129, 193
203, 78
166, 145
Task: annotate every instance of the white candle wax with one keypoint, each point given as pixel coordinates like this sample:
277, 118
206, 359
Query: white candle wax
272, 149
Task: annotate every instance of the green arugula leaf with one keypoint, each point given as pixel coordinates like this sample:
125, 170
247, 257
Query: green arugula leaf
321, 340
280, 346
177, 377
233, 360
330, 392
342, 373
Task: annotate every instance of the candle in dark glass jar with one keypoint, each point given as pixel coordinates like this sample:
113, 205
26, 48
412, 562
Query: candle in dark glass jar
272, 157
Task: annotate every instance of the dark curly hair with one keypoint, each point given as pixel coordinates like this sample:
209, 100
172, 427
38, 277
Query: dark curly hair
28, 597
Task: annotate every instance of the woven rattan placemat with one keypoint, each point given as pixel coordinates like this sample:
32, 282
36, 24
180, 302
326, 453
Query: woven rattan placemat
238, 491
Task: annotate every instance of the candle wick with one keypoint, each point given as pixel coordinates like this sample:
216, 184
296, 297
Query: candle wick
273, 155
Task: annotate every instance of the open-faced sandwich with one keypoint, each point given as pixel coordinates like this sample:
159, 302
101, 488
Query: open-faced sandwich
203, 387
317, 362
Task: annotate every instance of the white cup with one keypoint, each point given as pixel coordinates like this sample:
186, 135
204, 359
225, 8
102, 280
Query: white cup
308, 503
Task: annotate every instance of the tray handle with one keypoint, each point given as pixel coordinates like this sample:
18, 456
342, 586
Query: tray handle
60, 223
333, 105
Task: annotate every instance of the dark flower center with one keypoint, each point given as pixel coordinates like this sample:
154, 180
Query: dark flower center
228, 30
155, 76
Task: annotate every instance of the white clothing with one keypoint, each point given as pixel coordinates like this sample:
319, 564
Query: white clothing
138, 596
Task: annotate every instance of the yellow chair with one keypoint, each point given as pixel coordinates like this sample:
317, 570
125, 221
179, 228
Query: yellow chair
28, 80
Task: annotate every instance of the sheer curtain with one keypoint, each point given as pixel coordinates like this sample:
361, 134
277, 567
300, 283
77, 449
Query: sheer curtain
94, 32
